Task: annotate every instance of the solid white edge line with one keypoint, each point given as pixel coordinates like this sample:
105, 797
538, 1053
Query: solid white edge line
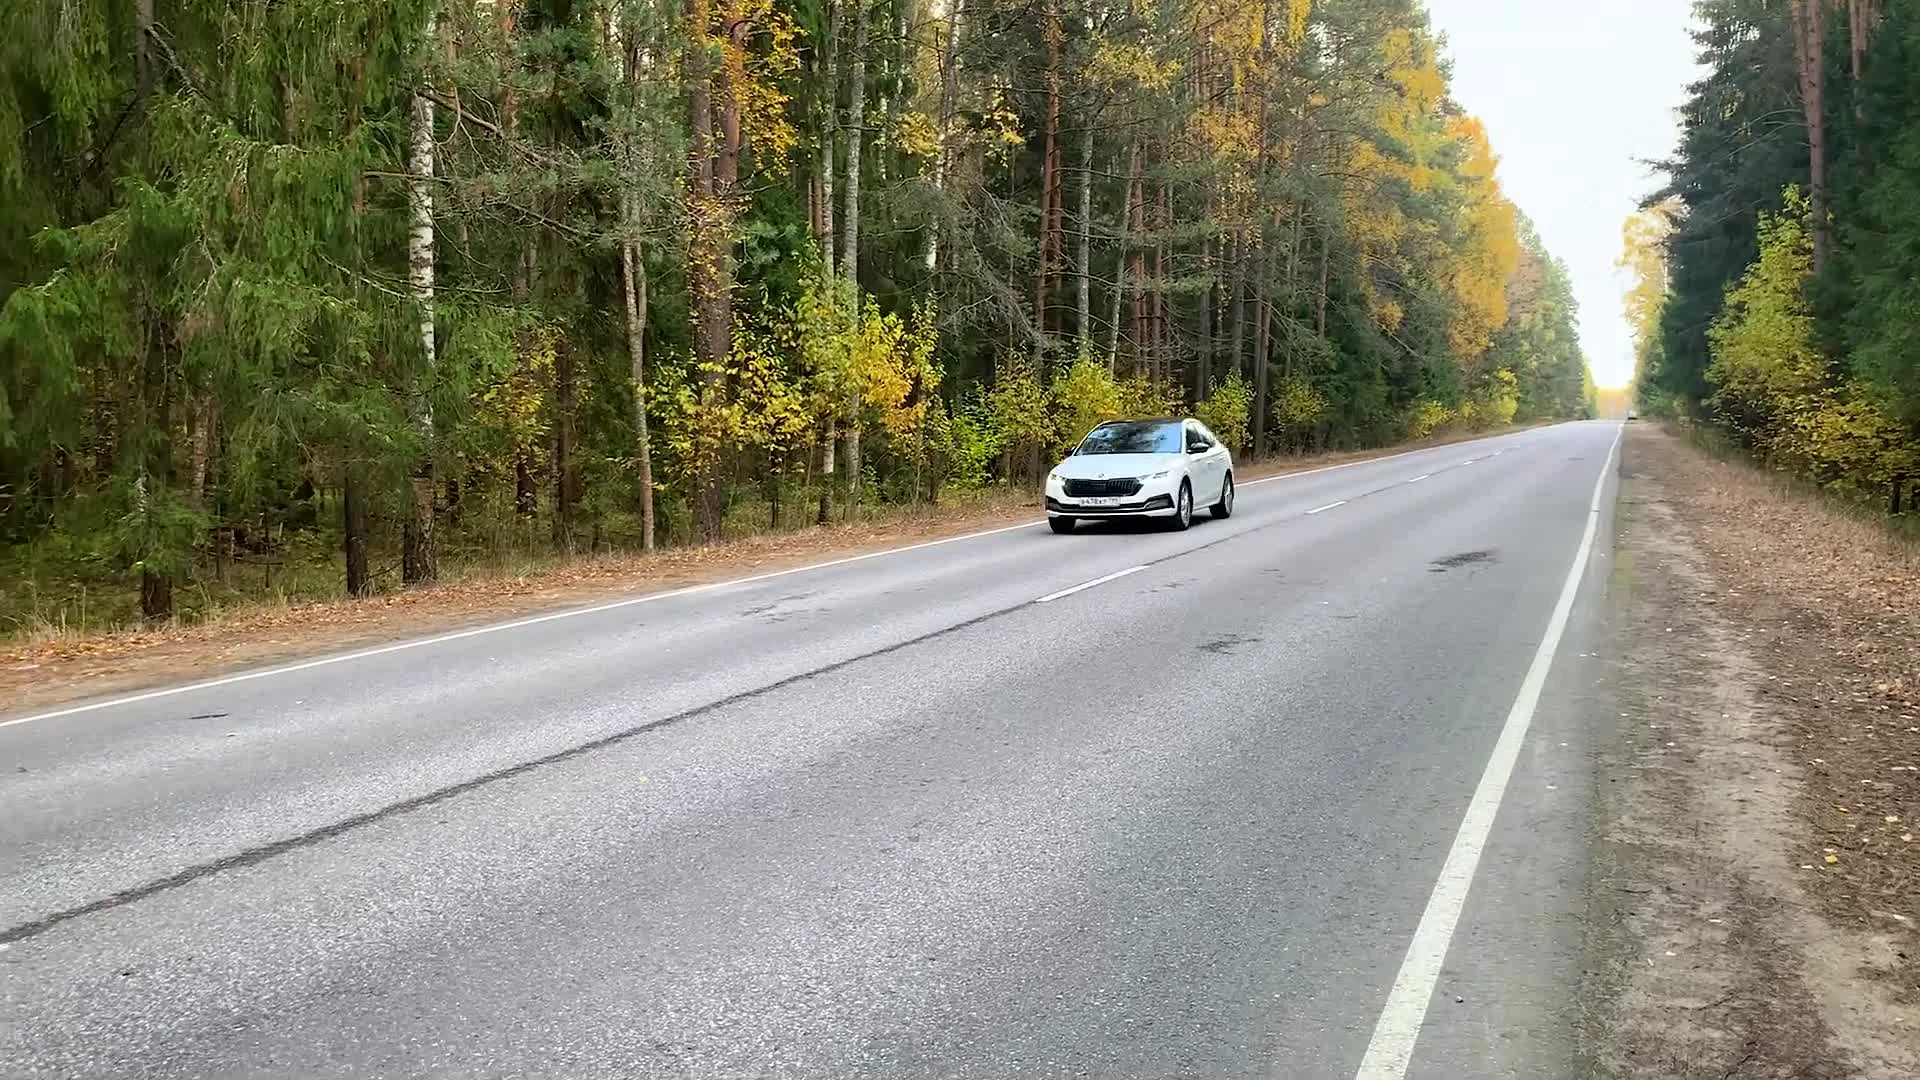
1324, 509
515, 624
1085, 585
1422, 476
1391, 1050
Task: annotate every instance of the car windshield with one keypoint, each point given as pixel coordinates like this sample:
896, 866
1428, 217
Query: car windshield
1133, 437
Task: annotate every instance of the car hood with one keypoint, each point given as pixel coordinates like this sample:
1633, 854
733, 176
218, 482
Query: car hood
1114, 466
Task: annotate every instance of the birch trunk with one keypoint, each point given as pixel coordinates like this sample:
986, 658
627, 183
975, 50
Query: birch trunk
634, 290
949, 102
419, 559
636, 298
850, 251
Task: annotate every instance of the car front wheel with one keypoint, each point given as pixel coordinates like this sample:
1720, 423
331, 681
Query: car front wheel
1182, 508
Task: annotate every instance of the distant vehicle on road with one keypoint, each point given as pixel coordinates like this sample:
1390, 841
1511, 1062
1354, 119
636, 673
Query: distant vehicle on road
1160, 468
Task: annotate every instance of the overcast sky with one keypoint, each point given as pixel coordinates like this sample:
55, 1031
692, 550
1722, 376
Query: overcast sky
1575, 95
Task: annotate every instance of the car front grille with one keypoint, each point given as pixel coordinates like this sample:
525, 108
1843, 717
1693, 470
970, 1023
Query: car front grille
1081, 489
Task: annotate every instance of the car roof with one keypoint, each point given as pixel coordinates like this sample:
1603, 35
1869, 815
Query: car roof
1145, 420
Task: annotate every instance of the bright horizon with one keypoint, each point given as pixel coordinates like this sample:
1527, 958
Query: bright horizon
1572, 126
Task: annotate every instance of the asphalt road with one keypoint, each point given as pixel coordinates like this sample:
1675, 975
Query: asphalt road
890, 817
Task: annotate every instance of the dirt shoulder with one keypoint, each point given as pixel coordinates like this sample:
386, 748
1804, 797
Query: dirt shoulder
44, 674
1754, 881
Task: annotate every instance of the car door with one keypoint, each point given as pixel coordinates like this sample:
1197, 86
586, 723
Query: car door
1222, 458
1222, 462
1207, 469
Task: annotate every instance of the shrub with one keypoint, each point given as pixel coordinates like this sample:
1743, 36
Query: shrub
1228, 410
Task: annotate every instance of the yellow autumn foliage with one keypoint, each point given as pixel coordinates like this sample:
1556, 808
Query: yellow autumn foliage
1772, 383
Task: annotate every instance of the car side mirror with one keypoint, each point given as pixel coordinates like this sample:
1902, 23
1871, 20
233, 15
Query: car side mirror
1198, 448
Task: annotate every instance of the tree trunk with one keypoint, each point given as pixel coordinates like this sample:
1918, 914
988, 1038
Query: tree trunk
826, 477
200, 453
853, 457
635, 291
856, 127
565, 478
1083, 260
1236, 304
828, 131
1810, 33
1137, 264
1262, 352
143, 47
712, 168
1162, 326
1862, 17
353, 515
154, 451
156, 596
1203, 364
1320, 317
1050, 179
1120, 260
419, 560
774, 489
850, 248
949, 103
525, 499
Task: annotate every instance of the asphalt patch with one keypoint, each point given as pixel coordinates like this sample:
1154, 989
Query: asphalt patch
1455, 562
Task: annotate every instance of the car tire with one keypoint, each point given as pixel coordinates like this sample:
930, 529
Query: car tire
1224, 508
1061, 525
1182, 517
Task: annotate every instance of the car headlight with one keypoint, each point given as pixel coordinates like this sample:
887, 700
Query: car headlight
1161, 475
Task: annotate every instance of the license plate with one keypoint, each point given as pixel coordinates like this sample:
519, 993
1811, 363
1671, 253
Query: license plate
1096, 503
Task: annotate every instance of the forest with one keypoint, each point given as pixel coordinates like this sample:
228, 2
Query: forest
1777, 274
361, 293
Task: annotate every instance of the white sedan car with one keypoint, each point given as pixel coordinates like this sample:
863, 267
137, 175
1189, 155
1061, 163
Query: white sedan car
1142, 468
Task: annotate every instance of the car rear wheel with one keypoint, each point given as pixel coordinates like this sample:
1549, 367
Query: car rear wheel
1182, 508
1224, 508
1060, 524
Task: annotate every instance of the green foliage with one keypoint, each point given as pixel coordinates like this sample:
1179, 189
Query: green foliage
1085, 395
1298, 411
1430, 418
1228, 411
1777, 390
1018, 406
963, 443
1764, 360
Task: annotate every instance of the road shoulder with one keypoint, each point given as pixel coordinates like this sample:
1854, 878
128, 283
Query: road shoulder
1748, 820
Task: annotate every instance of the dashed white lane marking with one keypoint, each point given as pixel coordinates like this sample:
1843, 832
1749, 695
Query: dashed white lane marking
1422, 476
1085, 585
1324, 509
